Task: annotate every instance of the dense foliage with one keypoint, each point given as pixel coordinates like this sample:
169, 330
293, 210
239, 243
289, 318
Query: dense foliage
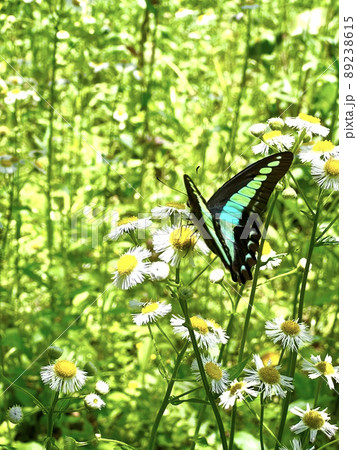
98, 100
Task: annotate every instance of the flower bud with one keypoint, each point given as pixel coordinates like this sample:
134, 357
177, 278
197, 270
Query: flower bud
289, 192
185, 293
54, 352
302, 264
90, 368
276, 123
307, 138
15, 414
257, 129
216, 275
69, 443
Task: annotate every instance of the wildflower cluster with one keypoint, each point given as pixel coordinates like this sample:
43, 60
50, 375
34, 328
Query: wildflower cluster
323, 155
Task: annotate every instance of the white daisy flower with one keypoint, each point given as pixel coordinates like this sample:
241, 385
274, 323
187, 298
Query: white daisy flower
296, 445
162, 212
15, 414
218, 331
205, 19
216, 275
62, 34
151, 311
270, 258
313, 420
202, 328
326, 173
159, 271
289, 333
237, 391
218, 377
308, 123
8, 164
101, 387
138, 75
63, 376
258, 129
98, 67
127, 225
131, 268
183, 12
320, 150
320, 368
15, 94
175, 243
89, 20
93, 401
120, 114
271, 382
274, 139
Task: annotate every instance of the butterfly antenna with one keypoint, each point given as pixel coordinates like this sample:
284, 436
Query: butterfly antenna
180, 192
197, 168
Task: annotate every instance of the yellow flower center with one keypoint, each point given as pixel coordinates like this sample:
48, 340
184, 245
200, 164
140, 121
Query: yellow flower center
313, 419
323, 147
290, 327
150, 307
325, 368
213, 371
236, 387
308, 118
269, 375
38, 164
65, 369
271, 135
332, 167
127, 220
182, 239
273, 357
15, 91
126, 264
214, 324
175, 205
266, 248
199, 324
6, 162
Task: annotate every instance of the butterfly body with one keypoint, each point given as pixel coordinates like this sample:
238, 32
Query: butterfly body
229, 221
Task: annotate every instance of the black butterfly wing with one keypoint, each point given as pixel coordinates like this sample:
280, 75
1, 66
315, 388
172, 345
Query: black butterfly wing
237, 206
203, 220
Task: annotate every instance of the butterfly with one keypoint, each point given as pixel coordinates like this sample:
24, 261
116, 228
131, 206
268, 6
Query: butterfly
229, 222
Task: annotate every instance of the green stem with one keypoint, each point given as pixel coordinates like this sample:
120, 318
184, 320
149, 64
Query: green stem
301, 192
278, 276
166, 337
233, 426
165, 401
317, 393
293, 355
265, 426
327, 228
261, 422
50, 421
328, 444
16, 386
255, 280
203, 374
202, 271
281, 356
253, 290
